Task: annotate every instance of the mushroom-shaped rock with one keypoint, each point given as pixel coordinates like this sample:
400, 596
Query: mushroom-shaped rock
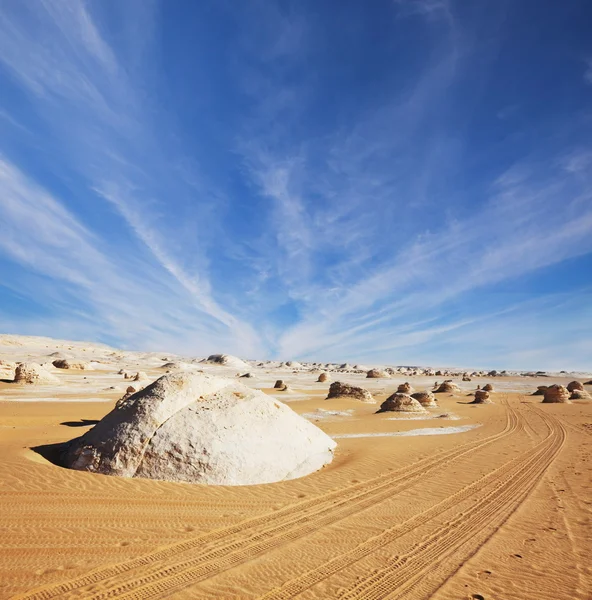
197, 428
580, 395
376, 374
426, 399
405, 388
279, 384
481, 397
68, 363
32, 373
226, 360
447, 387
556, 393
402, 403
338, 389
488, 387
323, 377
575, 385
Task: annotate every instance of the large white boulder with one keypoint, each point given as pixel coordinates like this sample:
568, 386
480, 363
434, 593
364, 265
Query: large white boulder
198, 428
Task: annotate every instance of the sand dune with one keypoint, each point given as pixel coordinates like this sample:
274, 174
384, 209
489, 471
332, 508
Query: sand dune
499, 509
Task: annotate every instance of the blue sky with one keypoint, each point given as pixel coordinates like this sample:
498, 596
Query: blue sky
402, 182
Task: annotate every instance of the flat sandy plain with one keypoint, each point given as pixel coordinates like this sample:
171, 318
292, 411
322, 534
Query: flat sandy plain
498, 511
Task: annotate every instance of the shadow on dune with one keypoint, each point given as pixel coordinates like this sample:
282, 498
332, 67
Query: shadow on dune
51, 452
81, 423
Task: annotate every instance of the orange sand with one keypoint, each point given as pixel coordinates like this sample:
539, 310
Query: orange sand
500, 512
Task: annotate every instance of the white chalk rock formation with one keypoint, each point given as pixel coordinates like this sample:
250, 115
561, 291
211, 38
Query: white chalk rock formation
405, 388
556, 394
226, 360
68, 363
197, 428
177, 366
376, 374
447, 387
339, 390
399, 402
575, 385
482, 397
32, 373
426, 399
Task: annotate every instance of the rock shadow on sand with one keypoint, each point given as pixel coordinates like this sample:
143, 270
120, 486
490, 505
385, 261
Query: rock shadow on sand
81, 423
52, 453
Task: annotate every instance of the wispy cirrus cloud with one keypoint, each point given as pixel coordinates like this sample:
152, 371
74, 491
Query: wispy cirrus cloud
89, 103
324, 190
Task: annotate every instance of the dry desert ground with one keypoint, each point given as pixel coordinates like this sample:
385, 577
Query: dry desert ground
497, 507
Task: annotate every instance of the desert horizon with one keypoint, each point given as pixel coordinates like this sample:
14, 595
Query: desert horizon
484, 485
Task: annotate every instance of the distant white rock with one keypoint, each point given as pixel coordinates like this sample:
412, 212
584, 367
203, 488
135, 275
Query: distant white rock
198, 428
32, 373
68, 363
177, 366
227, 360
343, 390
294, 364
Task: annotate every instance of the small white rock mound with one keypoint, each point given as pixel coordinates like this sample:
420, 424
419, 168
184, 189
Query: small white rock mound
226, 360
323, 377
481, 397
447, 387
399, 402
376, 374
196, 428
405, 388
32, 373
556, 394
580, 395
575, 385
426, 399
177, 366
338, 389
487, 387
68, 363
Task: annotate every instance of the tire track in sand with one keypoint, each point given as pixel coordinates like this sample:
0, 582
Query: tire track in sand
467, 531
299, 584
224, 548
